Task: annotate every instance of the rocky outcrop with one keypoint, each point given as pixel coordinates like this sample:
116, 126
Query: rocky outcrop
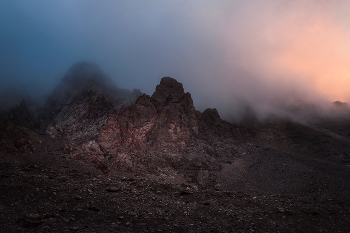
115, 129
167, 120
162, 131
165, 129
82, 102
17, 133
79, 108
19, 140
88, 152
83, 114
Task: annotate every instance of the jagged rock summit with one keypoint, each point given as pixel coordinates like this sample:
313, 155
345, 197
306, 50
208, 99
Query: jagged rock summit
168, 89
114, 130
81, 104
169, 167
84, 73
162, 130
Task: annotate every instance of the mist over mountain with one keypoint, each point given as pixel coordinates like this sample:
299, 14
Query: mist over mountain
93, 145
174, 116
228, 55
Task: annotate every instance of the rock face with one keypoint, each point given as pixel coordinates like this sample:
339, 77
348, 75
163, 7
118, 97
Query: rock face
83, 101
167, 120
80, 106
83, 114
165, 129
111, 128
115, 129
185, 168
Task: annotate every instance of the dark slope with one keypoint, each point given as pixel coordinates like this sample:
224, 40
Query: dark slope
175, 169
67, 196
287, 157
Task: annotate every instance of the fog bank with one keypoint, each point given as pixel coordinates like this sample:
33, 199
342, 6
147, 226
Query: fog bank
228, 54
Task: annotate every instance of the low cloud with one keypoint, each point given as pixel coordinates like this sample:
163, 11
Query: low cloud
228, 54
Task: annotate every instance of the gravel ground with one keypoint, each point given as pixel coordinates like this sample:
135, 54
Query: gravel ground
263, 190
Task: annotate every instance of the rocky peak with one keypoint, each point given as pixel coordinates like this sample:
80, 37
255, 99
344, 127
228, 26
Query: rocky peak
168, 89
81, 76
85, 94
100, 127
83, 73
160, 126
20, 115
211, 116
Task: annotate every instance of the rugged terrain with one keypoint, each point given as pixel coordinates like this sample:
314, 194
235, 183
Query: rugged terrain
97, 158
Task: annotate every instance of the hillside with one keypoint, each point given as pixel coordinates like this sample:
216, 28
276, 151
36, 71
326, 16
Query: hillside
97, 158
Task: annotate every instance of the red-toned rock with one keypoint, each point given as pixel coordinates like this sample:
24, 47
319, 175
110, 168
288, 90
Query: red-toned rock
163, 124
111, 128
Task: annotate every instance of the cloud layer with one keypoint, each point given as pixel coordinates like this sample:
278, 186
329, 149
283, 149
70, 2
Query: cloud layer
228, 54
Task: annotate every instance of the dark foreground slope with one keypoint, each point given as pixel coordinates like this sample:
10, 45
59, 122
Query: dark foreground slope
102, 159
50, 193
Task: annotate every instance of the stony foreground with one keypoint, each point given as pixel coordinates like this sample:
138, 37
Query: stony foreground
56, 194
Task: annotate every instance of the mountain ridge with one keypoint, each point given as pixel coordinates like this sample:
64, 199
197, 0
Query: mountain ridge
108, 158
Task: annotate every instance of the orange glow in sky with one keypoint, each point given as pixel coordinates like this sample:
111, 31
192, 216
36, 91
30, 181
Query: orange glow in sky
303, 45
319, 53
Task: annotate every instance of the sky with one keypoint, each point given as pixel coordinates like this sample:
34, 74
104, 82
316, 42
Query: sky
226, 53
